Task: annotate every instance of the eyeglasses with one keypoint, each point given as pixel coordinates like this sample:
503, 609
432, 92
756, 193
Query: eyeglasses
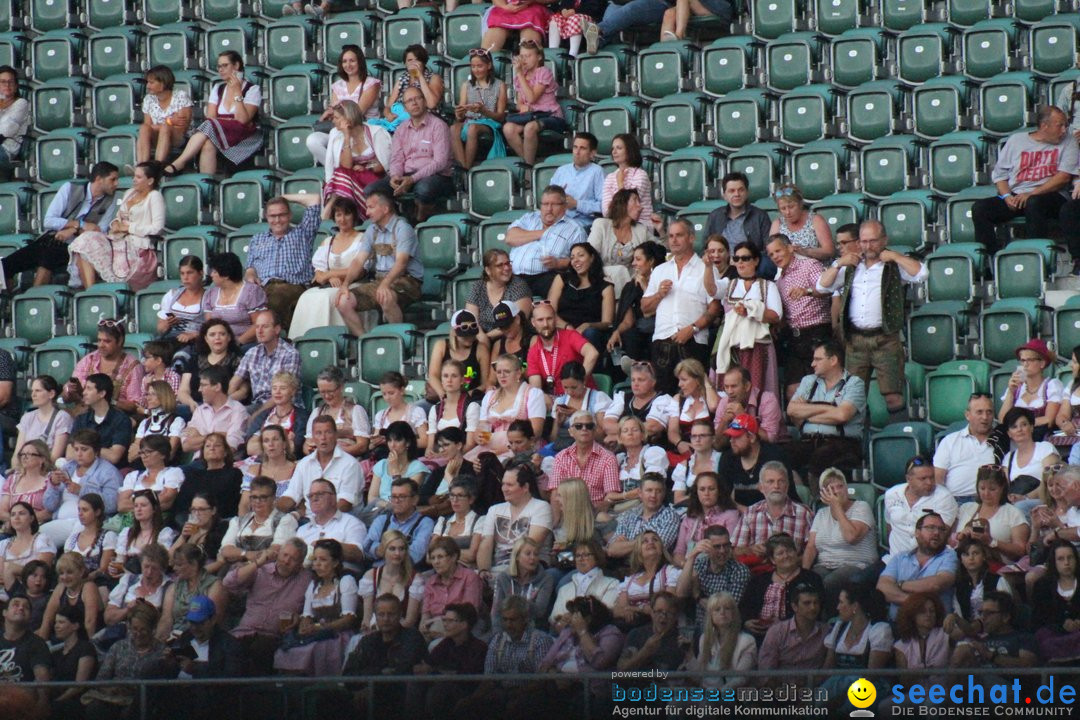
262, 498
459, 496
935, 528
400, 497
30, 455
582, 555
992, 468
584, 426
742, 258
317, 495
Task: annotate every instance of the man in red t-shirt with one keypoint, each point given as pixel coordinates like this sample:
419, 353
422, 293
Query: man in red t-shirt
554, 348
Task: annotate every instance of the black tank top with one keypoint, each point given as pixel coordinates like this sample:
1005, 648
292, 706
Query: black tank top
471, 382
577, 306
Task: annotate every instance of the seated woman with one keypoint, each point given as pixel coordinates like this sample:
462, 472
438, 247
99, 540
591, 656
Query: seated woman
808, 232
587, 580
166, 117
401, 461
590, 642
710, 504
921, 643
455, 409
842, 541
464, 346
651, 572
276, 463
28, 482
316, 307
139, 656
148, 529
704, 459
204, 530
573, 522
617, 235
232, 298
1056, 611
635, 458
73, 591
448, 583
215, 346
973, 580
861, 640
535, 89
125, 253
23, 545
355, 84
583, 300
260, 531
463, 525
190, 578
1028, 388
510, 400
1051, 522
497, 284
697, 400
363, 159
724, 645
14, 120
765, 600
283, 413
353, 425
396, 576
74, 661
45, 420
162, 480
480, 112
417, 75
89, 539
316, 645
162, 421
449, 444
526, 578
68, 480
145, 586
181, 313
392, 386
528, 17
641, 401
993, 520
628, 173
230, 126
220, 479
576, 397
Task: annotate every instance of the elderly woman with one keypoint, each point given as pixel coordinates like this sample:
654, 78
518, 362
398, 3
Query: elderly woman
232, 298
1028, 388
765, 600
316, 308
139, 656
191, 579
350, 417
282, 412
808, 232
163, 480
215, 346
14, 118
480, 111
363, 156
842, 541
146, 585
417, 75
28, 482
993, 519
45, 420
616, 235
586, 580
218, 477
464, 346
23, 545
166, 117
355, 84
497, 284
230, 126
126, 253
262, 529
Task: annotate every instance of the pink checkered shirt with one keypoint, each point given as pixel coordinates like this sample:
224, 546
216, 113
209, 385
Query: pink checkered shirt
601, 471
757, 525
803, 272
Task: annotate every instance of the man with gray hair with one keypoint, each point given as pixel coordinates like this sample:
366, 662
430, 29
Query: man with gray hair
1032, 176
588, 459
777, 513
540, 241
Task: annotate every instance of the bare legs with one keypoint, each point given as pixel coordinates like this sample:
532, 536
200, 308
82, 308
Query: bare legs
198, 145
465, 152
523, 139
161, 140
87, 273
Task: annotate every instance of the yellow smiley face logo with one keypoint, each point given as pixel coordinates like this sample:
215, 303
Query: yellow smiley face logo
862, 693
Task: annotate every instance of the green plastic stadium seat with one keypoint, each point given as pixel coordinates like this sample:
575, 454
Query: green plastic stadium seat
791, 59
114, 52
294, 92
698, 215
443, 239
49, 15
411, 26
290, 150
59, 356
842, 209
384, 349
966, 13
15, 203
176, 248
61, 154
491, 232
303, 182
934, 329
463, 30
923, 52
103, 301
10, 15
955, 271
939, 106
494, 186
949, 386
900, 15
237, 35
598, 76
958, 223
805, 114
891, 446
157, 13
543, 171
1054, 44
987, 47
1023, 268
57, 103
13, 48
675, 122
461, 285
118, 145
819, 168
772, 18
217, 11
174, 46
349, 28
856, 56
872, 108
186, 197
739, 118
762, 163
663, 69
687, 175
835, 17
287, 40
241, 197
956, 161
34, 312
906, 216
116, 100
320, 348
1067, 325
999, 382
1005, 326
239, 240
1032, 11
56, 54
887, 164
726, 64
1007, 102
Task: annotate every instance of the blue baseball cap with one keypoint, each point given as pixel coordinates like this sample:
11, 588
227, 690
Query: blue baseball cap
201, 609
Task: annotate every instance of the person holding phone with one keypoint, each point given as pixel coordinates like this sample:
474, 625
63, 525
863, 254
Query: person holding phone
993, 520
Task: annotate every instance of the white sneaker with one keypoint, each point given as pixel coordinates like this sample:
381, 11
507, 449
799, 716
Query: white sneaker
592, 38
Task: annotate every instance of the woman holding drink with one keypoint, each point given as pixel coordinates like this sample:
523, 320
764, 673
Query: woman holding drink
511, 399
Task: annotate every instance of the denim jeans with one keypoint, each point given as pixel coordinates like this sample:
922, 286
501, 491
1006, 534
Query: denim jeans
636, 13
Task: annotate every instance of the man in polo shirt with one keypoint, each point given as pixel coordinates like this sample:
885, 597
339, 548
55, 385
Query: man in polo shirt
806, 311
589, 460
403, 516
929, 567
583, 181
961, 453
552, 349
112, 426
329, 522
684, 309
217, 413
328, 463
279, 258
540, 241
797, 643
740, 397
388, 267
420, 158
259, 365
905, 504
653, 514
777, 513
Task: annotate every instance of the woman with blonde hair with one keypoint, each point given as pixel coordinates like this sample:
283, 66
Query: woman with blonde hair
396, 576
72, 591
572, 515
808, 233
283, 412
696, 400
652, 572
511, 399
723, 644
635, 458
362, 158
29, 482
162, 419
525, 578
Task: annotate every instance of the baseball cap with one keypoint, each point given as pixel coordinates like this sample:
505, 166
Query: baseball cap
464, 323
742, 424
200, 610
504, 314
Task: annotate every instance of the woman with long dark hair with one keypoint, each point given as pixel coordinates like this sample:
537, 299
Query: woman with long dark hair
480, 111
215, 346
1056, 611
634, 331
582, 299
232, 298
973, 580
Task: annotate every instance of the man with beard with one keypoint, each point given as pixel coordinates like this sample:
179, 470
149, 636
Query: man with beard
961, 453
777, 513
930, 567
748, 454
554, 348
741, 397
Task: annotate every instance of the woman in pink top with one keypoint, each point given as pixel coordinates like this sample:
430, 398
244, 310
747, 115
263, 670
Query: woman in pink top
529, 17
626, 154
354, 84
537, 108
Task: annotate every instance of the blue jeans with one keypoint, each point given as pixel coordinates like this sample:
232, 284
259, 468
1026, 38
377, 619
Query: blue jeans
633, 14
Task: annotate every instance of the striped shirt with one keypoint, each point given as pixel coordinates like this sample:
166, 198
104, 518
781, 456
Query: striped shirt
555, 242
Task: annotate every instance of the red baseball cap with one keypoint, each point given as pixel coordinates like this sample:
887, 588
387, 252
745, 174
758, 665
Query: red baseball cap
743, 424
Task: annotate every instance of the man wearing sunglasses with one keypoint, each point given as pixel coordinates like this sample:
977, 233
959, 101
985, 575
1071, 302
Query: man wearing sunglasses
871, 286
589, 460
905, 505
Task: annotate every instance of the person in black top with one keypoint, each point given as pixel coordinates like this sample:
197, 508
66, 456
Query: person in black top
634, 330
458, 653
582, 298
743, 463
516, 332
74, 661
391, 650
24, 657
114, 427
204, 650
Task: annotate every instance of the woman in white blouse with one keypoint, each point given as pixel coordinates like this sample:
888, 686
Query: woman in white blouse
315, 308
510, 400
617, 234
1027, 457
993, 519
354, 84
24, 545
166, 116
164, 481
454, 409
635, 459
1029, 389
46, 421
126, 253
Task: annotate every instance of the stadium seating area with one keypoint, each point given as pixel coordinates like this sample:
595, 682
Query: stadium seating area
888, 108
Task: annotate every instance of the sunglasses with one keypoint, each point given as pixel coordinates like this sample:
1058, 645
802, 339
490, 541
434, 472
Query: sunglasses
742, 258
119, 323
584, 426
980, 396
467, 326
917, 462
784, 192
992, 468
479, 52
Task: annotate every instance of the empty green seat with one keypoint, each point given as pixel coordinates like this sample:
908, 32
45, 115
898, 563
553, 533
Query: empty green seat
663, 69
382, 350
58, 103
287, 40
15, 203
156, 13
294, 92
463, 30
1007, 102
494, 186
1006, 325
118, 145
1067, 325
687, 175
762, 163
834, 17
900, 15
988, 47
939, 106
101, 302
956, 161
56, 54
411, 26
819, 168
805, 114
348, 28
114, 52
934, 329
242, 197
772, 18
1023, 268
841, 209
61, 154
34, 312
237, 35
924, 51
791, 60
966, 12
955, 271
612, 117
949, 387
906, 216
857, 56
174, 46
186, 197
491, 232
598, 76
114, 101
726, 63
675, 122
320, 348
872, 108
891, 447
49, 15
1053, 44
740, 118
887, 164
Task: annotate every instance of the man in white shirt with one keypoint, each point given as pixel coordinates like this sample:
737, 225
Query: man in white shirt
327, 522
872, 309
961, 453
905, 504
684, 310
329, 462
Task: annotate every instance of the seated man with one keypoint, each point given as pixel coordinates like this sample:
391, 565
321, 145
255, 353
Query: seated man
387, 267
797, 643
656, 646
26, 656
112, 426
653, 514
583, 181
327, 521
327, 461
552, 349
589, 460
76, 208
123, 368
1032, 174
391, 650
217, 413
1002, 645
777, 513
747, 454
905, 504
279, 259
929, 567
741, 397
709, 569
960, 454
261, 363
540, 241
403, 516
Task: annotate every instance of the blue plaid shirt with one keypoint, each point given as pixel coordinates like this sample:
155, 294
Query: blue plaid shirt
287, 258
664, 523
555, 242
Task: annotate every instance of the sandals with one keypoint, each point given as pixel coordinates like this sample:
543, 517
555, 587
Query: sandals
170, 171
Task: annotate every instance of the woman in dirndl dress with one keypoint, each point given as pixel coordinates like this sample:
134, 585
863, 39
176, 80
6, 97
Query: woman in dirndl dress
230, 125
529, 17
363, 159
